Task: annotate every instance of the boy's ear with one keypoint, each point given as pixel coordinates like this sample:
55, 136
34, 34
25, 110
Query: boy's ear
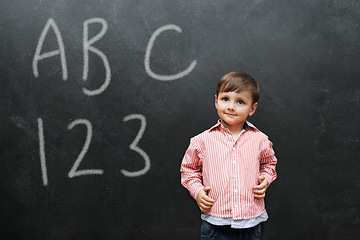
253, 109
216, 99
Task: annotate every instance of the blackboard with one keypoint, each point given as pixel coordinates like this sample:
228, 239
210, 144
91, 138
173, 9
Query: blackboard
100, 98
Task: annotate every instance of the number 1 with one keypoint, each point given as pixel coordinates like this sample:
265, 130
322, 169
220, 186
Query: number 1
42, 152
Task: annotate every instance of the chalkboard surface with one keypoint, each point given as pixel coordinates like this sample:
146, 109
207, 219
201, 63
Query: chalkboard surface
99, 99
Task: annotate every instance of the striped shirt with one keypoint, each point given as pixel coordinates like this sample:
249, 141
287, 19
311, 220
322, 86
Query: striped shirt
230, 167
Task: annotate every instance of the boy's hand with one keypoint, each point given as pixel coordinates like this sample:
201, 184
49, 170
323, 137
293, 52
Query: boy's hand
260, 189
203, 201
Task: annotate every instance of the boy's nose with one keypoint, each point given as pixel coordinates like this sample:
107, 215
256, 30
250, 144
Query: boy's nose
231, 106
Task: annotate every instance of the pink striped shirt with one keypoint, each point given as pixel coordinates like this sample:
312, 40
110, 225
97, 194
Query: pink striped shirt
231, 168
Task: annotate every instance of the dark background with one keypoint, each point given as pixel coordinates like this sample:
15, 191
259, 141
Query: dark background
304, 54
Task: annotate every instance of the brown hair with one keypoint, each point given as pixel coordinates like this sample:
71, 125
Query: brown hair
236, 82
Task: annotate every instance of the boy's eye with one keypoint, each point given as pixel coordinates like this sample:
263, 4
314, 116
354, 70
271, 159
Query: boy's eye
240, 102
225, 99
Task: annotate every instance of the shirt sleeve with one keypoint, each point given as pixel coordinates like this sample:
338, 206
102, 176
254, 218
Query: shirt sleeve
191, 168
268, 161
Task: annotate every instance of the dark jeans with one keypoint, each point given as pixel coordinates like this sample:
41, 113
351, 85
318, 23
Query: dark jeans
212, 232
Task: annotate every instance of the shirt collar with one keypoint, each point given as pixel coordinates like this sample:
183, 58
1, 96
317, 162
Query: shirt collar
246, 126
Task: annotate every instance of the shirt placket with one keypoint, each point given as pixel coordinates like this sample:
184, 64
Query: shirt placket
234, 185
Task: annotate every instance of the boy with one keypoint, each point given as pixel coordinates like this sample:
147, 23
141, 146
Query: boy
228, 167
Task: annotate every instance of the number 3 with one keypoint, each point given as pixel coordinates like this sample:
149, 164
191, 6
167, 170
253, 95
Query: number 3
135, 148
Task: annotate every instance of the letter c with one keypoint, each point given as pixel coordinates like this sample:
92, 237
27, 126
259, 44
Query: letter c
148, 53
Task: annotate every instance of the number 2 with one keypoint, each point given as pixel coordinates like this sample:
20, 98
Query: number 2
74, 172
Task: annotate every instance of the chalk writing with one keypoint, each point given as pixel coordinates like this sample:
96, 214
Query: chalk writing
135, 148
87, 47
148, 54
74, 172
42, 152
38, 56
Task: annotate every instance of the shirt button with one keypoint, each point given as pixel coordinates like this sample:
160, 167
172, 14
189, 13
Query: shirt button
234, 148
234, 161
234, 175
235, 190
236, 205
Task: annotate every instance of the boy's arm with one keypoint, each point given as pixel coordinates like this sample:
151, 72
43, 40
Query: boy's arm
268, 162
191, 169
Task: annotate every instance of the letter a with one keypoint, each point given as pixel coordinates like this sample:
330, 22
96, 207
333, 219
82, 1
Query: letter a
38, 56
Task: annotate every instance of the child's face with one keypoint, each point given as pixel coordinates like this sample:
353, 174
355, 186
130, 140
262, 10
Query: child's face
233, 108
